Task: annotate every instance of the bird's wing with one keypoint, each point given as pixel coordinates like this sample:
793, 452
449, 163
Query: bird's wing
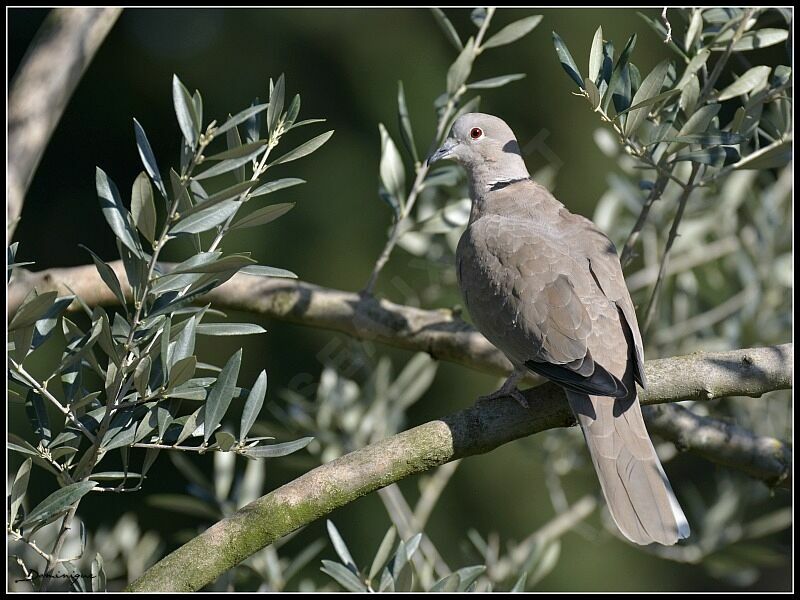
606, 271
539, 283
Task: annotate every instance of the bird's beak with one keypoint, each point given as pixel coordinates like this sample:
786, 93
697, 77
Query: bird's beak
445, 151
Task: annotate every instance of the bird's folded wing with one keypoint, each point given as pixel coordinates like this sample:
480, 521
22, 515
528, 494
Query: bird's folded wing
548, 310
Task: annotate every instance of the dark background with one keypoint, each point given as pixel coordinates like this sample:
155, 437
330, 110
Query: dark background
345, 63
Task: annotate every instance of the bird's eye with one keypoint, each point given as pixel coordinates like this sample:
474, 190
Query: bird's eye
476, 133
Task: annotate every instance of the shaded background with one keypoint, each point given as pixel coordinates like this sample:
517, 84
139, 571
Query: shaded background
345, 63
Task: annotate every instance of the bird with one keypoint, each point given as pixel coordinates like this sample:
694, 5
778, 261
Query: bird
545, 286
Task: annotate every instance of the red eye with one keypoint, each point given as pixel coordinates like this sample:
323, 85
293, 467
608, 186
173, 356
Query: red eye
475, 133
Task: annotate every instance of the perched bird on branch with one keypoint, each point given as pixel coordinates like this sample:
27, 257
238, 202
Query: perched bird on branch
546, 287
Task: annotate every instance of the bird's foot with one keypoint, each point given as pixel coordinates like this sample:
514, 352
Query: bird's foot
506, 393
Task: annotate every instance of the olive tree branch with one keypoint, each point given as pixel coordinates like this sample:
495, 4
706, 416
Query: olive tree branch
41, 89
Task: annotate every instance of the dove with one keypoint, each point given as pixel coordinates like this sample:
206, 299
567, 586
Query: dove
545, 286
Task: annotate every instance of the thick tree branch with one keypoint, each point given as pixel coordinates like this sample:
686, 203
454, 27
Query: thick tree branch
42, 87
441, 333
475, 430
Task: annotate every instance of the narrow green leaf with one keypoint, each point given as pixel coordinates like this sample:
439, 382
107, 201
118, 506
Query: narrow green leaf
229, 329
592, 93
774, 156
224, 440
276, 450
752, 79
143, 209
238, 151
141, 375
182, 371
343, 576
58, 502
567, 62
32, 310
694, 30
303, 149
148, 158
221, 394
184, 343
447, 27
276, 98
193, 425
710, 156
383, 553
448, 583
197, 103
263, 215
247, 113
274, 186
405, 122
618, 76
261, 271
709, 139
18, 489
98, 572
468, 575
112, 475
392, 170
291, 114
519, 586
115, 213
698, 122
252, 408
596, 55
341, 547
234, 142
107, 275
650, 88
306, 122
22, 336
513, 32
495, 82
460, 69
694, 65
184, 110
37, 415
221, 196
761, 38
690, 95
230, 164
206, 219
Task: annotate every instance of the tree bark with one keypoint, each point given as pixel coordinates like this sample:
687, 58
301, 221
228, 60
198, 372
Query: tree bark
42, 87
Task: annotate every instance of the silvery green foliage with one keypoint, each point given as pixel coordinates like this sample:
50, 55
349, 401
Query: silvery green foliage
421, 200
728, 280
395, 567
154, 391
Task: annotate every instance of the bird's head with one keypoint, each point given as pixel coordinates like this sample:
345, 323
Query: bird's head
485, 146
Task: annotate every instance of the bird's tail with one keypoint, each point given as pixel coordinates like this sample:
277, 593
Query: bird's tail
638, 494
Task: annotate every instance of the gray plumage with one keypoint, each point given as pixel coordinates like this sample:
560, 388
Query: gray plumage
545, 286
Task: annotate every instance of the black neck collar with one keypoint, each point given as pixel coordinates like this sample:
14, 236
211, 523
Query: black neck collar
499, 185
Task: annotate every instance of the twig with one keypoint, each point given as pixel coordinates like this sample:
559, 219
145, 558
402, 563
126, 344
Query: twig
707, 319
685, 262
398, 228
673, 233
53, 400
667, 24
54, 64
717, 71
633, 237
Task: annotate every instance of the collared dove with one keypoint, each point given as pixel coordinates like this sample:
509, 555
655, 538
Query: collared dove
545, 286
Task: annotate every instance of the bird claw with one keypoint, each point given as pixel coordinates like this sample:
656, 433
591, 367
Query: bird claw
501, 393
